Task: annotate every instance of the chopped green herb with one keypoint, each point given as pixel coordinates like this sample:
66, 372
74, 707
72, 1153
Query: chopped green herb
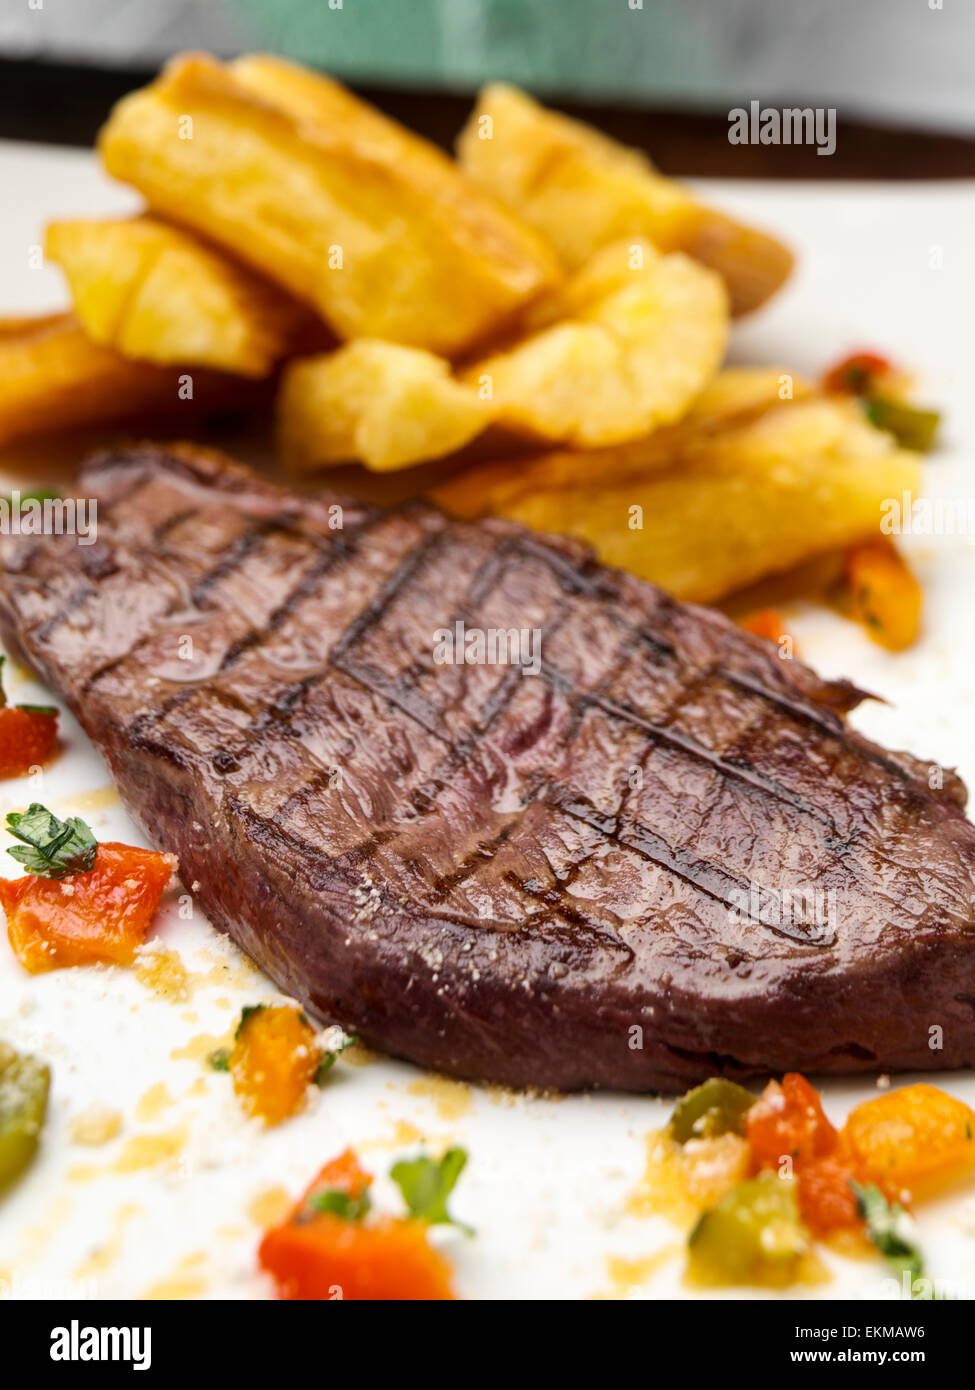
328, 1061
426, 1185
31, 709
52, 848
887, 1227
339, 1203
219, 1059
245, 1014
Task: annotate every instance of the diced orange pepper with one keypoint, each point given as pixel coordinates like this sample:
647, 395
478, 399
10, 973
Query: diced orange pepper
767, 623
273, 1062
318, 1255
27, 739
912, 1140
884, 595
101, 915
787, 1121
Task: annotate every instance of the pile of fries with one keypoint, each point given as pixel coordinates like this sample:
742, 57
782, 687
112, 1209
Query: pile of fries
547, 310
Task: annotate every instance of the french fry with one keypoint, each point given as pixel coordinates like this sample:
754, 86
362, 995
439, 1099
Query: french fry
373, 226
383, 404
633, 338
159, 294
713, 503
581, 189
624, 346
54, 377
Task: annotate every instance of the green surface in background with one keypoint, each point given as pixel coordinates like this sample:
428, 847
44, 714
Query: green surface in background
596, 48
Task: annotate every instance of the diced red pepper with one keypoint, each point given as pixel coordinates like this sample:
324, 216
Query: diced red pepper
788, 1121
826, 1199
101, 915
856, 374
767, 623
27, 739
318, 1255
342, 1174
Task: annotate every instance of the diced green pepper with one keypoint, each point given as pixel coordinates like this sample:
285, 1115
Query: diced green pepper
24, 1083
752, 1236
716, 1107
911, 427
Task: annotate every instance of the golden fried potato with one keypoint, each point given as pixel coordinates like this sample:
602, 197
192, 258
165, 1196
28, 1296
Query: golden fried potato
743, 390
631, 339
380, 403
159, 294
373, 226
715, 502
55, 377
581, 189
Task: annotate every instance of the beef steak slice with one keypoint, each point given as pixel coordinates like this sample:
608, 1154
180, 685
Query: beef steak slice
666, 855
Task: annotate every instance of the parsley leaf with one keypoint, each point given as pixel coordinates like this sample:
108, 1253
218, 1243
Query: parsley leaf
31, 709
52, 847
340, 1203
245, 1014
219, 1059
328, 1060
426, 1185
888, 1229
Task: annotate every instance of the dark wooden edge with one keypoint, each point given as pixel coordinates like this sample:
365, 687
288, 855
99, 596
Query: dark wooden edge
66, 104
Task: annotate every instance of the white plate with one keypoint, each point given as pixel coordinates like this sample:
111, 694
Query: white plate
548, 1179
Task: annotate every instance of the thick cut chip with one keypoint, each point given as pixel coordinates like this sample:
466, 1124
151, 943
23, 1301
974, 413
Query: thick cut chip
373, 226
54, 377
714, 503
157, 293
581, 189
383, 404
625, 346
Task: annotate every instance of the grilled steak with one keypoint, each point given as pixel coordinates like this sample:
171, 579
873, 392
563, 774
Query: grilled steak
664, 855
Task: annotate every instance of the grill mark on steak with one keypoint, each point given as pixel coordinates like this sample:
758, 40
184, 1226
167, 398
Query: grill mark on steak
342, 550
824, 720
239, 549
489, 892
738, 769
497, 704
398, 692
424, 799
702, 875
